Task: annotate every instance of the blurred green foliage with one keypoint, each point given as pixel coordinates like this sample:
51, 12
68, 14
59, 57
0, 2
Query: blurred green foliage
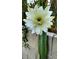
24, 29
54, 9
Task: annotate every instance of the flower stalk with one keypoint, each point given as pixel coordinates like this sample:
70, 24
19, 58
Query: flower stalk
43, 46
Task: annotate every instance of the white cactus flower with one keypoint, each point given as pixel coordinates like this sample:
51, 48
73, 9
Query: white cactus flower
39, 19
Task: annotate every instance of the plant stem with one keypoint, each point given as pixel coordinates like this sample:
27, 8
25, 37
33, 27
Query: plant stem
43, 46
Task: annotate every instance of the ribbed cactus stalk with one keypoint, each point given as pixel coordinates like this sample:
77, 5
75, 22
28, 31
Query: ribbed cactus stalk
43, 46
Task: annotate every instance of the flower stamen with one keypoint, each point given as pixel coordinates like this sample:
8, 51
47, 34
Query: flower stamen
39, 19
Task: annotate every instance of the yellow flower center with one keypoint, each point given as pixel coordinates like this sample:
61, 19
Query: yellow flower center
39, 21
